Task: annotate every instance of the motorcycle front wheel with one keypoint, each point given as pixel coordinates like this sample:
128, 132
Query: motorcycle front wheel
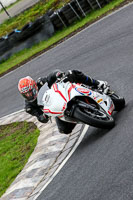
99, 118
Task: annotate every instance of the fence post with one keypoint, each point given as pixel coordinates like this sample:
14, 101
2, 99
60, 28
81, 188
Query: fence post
5, 10
90, 4
98, 4
61, 19
74, 10
80, 8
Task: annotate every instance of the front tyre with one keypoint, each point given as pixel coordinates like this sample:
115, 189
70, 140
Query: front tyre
99, 120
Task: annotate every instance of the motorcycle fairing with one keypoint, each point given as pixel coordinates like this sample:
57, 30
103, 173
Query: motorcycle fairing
55, 99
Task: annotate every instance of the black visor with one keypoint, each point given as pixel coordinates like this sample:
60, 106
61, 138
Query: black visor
30, 95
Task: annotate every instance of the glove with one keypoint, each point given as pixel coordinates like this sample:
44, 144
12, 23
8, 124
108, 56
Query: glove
68, 76
103, 85
41, 81
59, 75
43, 118
75, 76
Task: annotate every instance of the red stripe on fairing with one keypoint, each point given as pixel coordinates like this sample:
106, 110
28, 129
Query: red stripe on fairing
56, 90
55, 87
49, 111
111, 109
69, 90
61, 116
109, 113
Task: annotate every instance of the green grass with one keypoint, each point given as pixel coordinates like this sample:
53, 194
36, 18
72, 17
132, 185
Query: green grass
30, 15
17, 142
27, 53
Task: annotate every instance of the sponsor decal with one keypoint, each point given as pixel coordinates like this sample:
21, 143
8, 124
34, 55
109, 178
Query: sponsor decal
83, 91
47, 98
99, 100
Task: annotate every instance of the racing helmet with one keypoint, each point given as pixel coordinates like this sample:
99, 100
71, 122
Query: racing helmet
28, 88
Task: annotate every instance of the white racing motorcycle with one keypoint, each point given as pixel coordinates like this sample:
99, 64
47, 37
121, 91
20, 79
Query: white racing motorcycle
76, 103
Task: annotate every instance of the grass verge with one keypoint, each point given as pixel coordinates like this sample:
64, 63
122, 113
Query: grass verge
22, 57
17, 142
30, 15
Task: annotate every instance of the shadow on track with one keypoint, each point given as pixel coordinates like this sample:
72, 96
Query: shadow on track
94, 134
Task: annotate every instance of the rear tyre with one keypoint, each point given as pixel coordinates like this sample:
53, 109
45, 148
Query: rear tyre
99, 119
119, 102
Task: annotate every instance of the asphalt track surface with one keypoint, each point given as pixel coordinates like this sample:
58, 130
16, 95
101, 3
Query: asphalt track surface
102, 166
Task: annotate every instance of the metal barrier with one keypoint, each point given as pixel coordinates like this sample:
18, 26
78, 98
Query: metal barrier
30, 34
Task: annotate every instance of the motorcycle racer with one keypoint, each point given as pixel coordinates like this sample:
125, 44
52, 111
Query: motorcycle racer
28, 88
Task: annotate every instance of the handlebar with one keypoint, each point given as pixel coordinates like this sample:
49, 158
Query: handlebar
65, 79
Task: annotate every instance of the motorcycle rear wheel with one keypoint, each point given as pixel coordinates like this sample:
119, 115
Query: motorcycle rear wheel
85, 116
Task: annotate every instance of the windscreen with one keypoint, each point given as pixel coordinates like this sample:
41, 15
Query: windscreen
43, 89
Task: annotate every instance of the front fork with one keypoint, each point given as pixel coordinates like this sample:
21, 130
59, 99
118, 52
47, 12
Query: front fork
81, 104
